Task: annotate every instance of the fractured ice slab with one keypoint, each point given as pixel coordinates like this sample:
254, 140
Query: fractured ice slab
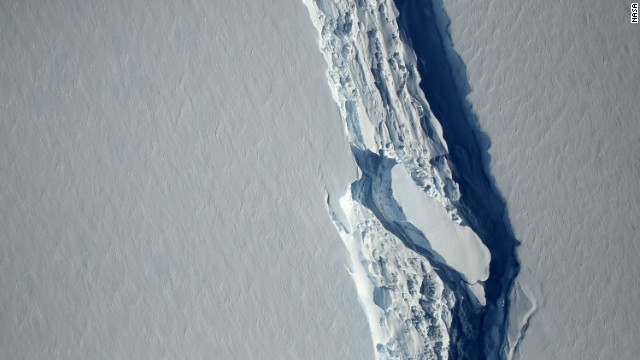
457, 244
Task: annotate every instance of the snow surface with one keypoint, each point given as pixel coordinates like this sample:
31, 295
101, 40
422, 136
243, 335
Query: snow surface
556, 89
164, 171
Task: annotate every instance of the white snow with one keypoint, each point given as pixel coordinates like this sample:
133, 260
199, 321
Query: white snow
164, 169
556, 88
458, 245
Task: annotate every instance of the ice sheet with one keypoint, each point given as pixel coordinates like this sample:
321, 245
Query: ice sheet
555, 86
164, 168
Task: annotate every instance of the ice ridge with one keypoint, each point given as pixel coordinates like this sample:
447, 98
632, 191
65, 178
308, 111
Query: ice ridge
404, 223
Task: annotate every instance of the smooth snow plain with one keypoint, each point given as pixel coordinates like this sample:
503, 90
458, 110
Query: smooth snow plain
556, 89
164, 171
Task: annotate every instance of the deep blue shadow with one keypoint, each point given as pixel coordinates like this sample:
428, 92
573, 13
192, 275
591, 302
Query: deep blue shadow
423, 24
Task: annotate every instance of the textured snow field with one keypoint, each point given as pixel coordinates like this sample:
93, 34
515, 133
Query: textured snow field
163, 176
556, 86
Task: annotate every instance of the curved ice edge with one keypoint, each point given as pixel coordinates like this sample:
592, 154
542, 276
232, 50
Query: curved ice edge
525, 308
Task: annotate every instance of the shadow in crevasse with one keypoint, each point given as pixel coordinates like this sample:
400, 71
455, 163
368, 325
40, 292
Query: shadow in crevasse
424, 26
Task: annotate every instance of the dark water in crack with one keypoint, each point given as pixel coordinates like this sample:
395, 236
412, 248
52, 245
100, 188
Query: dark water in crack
477, 334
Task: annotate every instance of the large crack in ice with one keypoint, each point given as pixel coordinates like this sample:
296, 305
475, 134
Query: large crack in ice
424, 25
419, 266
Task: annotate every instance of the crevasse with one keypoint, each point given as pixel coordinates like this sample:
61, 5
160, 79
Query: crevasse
417, 265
